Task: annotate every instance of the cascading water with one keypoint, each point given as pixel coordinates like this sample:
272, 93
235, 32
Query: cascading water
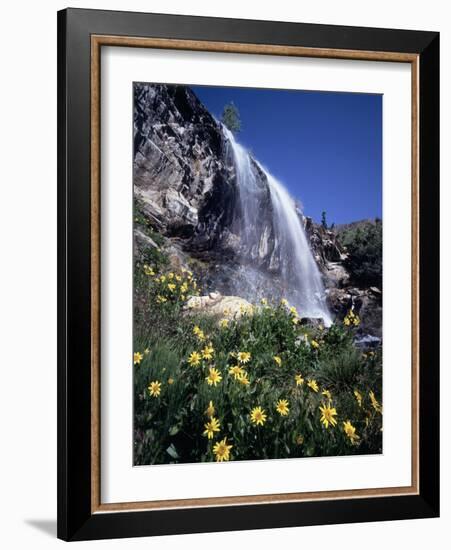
297, 276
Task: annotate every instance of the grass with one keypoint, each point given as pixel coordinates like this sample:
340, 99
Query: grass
284, 356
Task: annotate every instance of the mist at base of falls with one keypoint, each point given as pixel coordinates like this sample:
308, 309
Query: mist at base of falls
275, 259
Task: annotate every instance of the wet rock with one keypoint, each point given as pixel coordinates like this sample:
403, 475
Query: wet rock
311, 321
367, 341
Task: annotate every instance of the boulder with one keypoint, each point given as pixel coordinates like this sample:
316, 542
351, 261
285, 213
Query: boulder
336, 274
230, 307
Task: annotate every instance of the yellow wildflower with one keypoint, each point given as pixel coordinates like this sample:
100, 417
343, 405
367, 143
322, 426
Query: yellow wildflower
161, 299
194, 359
222, 451
258, 416
154, 388
244, 356
148, 270
294, 311
264, 301
284, 302
178, 278
298, 379
314, 344
359, 397
214, 377
146, 351
211, 427
210, 409
278, 360
295, 320
243, 378
224, 323
137, 358
375, 403
313, 384
162, 278
349, 430
184, 288
172, 287
351, 319
207, 352
327, 415
171, 276
327, 394
236, 371
199, 333
170, 381
282, 407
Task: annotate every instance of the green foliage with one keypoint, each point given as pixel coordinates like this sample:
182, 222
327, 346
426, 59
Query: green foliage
363, 244
231, 117
323, 219
169, 427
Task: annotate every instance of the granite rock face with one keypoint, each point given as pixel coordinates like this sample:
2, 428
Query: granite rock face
180, 174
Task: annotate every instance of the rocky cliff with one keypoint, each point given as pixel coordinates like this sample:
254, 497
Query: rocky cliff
186, 180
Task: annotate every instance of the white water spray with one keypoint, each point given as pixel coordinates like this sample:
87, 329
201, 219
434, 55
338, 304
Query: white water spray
299, 277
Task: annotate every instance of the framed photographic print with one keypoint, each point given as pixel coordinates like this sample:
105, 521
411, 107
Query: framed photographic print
248, 274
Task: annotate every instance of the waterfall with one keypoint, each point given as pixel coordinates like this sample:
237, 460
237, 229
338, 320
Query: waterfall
282, 240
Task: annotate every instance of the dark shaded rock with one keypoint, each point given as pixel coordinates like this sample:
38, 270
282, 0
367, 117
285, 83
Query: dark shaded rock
325, 245
363, 302
179, 174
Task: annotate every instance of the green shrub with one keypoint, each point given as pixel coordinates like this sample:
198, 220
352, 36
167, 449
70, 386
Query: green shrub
231, 117
363, 242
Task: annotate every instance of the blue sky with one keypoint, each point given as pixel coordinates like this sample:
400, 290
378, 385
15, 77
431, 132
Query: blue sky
325, 147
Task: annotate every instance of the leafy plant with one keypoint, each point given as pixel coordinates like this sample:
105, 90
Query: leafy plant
363, 242
231, 117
